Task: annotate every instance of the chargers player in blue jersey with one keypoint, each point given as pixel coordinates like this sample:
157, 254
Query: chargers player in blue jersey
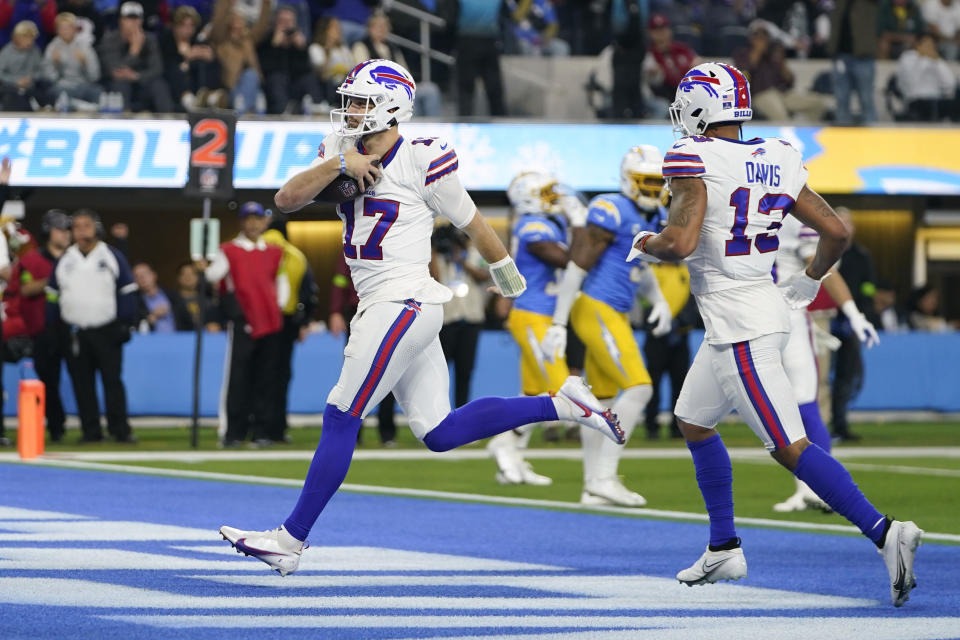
539, 244
607, 288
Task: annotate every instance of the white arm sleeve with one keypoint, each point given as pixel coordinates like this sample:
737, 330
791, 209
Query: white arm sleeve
218, 268
567, 292
448, 198
650, 287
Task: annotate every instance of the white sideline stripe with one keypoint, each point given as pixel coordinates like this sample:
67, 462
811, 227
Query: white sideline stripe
466, 497
608, 627
680, 453
891, 468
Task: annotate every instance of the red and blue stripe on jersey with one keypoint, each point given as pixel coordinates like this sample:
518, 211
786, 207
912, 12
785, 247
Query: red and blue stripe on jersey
441, 166
677, 164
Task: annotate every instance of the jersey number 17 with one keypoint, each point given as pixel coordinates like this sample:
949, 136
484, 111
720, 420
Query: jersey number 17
387, 210
739, 244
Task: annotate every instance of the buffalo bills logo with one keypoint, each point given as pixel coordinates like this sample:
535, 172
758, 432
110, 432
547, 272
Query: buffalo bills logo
392, 79
697, 78
759, 153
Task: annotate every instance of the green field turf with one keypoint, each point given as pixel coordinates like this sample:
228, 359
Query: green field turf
174, 438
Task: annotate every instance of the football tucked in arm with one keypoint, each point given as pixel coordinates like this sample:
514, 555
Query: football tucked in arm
342, 189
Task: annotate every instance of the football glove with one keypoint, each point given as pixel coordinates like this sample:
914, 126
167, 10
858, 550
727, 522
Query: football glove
636, 250
862, 327
799, 290
554, 343
660, 318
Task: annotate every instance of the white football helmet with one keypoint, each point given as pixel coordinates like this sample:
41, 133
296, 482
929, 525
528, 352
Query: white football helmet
641, 176
388, 91
710, 92
534, 192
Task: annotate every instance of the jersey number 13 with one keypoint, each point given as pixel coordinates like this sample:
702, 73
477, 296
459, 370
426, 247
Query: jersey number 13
739, 244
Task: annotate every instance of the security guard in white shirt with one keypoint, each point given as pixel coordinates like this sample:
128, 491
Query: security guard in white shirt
92, 287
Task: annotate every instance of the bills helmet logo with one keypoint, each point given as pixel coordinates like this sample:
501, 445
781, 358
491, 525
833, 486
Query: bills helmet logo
391, 79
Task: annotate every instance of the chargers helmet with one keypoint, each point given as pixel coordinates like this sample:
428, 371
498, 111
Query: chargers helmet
709, 93
388, 90
534, 192
641, 176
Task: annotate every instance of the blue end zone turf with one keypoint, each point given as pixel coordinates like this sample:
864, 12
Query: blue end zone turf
130, 556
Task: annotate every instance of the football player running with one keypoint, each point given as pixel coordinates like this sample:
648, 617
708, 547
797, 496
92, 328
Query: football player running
597, 291
394, 344
798, 246
729, 200
539, 245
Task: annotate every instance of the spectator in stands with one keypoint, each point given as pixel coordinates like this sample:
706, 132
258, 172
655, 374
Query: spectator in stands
252, 296
194, 308
204, 8
856, 267
535, 27
629, 49
428, 101
666, 62
457, 264
478, 55
297, 314
343, 306
90, 24
286, 66
771, 81
74, 67
23, 73
900, 22
351, 14
92, 290
330, 56
189, 66
892, 318
927, 83
155, 311
942, 18
724, 25
133, 65
924, 310
853, 47
47, 349
235, 44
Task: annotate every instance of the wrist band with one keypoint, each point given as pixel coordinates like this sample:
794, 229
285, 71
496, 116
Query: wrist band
643, 243
343, 164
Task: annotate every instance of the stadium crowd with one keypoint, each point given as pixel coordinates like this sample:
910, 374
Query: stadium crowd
288, 56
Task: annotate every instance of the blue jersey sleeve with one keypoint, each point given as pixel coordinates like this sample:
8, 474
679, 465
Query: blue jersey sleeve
536, 231
604, 213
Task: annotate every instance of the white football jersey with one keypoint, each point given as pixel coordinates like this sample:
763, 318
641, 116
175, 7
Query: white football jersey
386, 232
751, 186
798, 243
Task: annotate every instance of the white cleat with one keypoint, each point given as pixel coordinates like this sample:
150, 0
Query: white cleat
503, 448
714, 566
275, 547
586, 409
801, 501
899, 551
532, 477
610, 492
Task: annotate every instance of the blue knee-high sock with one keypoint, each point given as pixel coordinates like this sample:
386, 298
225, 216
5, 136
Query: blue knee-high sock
715, 477
813, 424
327, 471
485, 417
832, 482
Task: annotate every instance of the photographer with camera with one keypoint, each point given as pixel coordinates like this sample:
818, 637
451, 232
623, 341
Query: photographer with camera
458, 265
92, 290
288, 75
